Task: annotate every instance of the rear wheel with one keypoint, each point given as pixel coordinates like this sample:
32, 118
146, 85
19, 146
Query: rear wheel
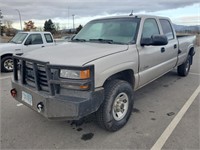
184, 69
7, 64
117, 106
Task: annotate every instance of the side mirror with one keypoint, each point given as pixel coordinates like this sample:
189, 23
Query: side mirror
155, 40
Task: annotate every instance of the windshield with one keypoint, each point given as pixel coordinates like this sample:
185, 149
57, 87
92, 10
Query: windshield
18, 38
119, 31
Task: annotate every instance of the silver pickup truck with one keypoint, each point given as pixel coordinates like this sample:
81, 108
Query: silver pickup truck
99, 70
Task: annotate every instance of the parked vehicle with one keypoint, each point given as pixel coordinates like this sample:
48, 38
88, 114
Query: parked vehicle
21, 43
100, 69
64, 39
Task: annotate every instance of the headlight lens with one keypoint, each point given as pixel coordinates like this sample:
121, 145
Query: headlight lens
75, 74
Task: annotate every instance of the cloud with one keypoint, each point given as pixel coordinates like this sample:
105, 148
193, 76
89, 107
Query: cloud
45, 9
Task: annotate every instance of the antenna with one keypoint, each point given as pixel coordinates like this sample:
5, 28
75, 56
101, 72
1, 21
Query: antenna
131, 14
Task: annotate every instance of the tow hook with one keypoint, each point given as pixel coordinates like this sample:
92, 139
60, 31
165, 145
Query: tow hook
40, 107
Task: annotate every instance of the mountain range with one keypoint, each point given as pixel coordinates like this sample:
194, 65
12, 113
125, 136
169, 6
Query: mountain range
179, 28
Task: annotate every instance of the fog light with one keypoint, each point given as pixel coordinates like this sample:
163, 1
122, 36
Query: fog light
13, 92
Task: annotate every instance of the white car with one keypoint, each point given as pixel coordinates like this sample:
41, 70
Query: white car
21, 43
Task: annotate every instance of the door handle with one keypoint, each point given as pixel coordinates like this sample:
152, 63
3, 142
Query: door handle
42, 46
175, 46
162, 50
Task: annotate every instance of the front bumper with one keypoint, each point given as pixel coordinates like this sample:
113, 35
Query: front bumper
61, 107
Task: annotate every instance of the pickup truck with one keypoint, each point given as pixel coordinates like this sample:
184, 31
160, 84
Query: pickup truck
21, 43
100, 69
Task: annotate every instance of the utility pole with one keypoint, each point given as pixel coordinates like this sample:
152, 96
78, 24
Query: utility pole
20, 19
73, 21
68, 16
1, 17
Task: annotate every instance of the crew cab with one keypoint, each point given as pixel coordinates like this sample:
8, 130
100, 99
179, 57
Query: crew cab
100, 69
21, 43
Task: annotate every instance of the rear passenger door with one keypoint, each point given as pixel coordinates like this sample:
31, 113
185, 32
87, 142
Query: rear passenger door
34, 41
171, 49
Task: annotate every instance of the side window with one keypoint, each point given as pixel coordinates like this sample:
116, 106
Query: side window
48, 38
34, 39
150, 28
167, 29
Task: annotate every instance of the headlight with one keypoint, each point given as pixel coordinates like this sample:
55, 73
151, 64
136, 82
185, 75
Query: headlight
75, 74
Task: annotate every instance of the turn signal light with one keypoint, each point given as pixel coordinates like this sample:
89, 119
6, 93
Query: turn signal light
85, 74
13, 92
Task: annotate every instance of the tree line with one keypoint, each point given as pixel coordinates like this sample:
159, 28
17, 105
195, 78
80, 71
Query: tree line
54, 28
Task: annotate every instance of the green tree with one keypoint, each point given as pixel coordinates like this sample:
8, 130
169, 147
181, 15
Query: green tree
49, 26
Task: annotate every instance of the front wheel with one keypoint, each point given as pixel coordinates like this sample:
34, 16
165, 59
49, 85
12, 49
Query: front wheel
7, 64
184, 69
117, 107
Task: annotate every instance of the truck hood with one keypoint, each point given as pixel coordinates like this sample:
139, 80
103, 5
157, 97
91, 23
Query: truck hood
9, 46
75, 54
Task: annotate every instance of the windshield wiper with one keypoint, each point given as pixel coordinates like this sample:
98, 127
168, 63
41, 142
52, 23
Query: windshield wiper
106, 41
102, 40
79, 40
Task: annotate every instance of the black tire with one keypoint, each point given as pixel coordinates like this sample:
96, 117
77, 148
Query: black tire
108, 110
7, 64
184, 69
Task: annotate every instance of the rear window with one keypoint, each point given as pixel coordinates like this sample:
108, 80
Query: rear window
48, 38
167, 28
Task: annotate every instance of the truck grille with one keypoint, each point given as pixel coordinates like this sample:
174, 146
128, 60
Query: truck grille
35, 76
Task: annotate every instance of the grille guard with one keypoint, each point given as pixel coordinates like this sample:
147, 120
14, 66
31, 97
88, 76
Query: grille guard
52, 82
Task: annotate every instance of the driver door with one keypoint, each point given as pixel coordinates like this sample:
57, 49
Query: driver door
34, 41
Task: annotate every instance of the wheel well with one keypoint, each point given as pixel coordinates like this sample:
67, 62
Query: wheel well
191, 53
6, 55
126, 75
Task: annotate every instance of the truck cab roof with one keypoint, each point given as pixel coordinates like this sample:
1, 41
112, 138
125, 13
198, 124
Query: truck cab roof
134, 16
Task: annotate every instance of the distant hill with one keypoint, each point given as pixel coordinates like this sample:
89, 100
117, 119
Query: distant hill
182, 28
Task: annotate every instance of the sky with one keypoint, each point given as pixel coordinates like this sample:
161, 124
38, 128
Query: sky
182, 12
